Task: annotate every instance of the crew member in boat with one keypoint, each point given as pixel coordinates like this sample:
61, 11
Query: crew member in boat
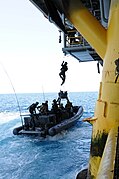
69, 108
55, 110
46, 107
32, 110
59, 97
61, 107
43, 109
63, 69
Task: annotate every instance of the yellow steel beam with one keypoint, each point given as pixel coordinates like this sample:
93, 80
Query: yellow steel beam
87, 25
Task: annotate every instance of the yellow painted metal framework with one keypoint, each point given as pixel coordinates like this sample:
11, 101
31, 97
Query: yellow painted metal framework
106, 116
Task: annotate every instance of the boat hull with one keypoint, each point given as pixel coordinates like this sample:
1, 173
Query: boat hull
67, 123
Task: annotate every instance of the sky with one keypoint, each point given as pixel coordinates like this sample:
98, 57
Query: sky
31, 56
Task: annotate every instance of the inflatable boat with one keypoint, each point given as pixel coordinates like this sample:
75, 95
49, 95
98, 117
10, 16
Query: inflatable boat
47, 125
49, 122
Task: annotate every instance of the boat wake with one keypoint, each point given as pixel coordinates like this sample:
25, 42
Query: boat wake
5, 117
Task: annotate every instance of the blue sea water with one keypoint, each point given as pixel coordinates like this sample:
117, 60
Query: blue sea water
58, 157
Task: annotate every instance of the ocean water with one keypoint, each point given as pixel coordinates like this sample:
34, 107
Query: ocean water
29, 157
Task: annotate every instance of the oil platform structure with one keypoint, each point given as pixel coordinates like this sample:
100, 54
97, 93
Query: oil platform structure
90, 29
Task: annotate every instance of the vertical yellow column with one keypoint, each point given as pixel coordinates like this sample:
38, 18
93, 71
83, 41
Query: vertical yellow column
107, 106
106, 44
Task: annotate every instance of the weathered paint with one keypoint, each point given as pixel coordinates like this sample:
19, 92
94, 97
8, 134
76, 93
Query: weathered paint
106, 168
96, 152
98, 144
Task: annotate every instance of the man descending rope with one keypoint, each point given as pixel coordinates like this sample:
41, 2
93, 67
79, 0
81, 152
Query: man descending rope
63, 69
